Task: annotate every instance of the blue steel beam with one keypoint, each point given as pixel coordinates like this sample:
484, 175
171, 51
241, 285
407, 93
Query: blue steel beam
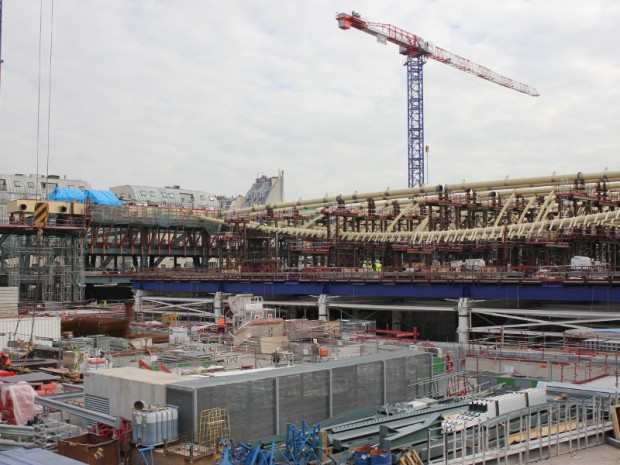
564, 292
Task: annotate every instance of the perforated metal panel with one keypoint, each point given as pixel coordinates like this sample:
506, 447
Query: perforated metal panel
344, 389
303, 396
396, 387
261, 405
251, 406
184, 399
370, 384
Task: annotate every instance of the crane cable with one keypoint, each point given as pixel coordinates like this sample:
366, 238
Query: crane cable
39, 94
49, 92
49, 96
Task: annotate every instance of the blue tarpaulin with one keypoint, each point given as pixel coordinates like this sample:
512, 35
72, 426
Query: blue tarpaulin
62, 194
103, 198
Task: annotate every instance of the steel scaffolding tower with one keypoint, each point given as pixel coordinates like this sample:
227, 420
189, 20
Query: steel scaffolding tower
46, 268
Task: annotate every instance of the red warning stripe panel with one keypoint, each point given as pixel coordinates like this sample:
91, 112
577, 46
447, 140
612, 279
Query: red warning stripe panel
41, 214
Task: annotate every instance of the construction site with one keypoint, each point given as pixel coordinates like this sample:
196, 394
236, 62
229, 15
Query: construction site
489, 332
462, 323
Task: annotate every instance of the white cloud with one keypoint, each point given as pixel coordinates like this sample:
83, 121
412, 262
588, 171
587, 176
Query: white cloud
207, 94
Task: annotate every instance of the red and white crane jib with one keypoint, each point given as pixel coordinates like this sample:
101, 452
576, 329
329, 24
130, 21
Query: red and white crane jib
411, 44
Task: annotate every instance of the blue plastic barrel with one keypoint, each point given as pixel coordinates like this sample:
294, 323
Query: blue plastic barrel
361, 456
380, 457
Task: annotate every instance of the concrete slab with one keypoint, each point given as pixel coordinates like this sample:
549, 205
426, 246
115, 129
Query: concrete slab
599, 455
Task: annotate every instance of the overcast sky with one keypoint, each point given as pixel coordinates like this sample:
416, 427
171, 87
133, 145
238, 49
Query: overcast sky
208, 94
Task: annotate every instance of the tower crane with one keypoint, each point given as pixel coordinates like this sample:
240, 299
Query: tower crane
417, 50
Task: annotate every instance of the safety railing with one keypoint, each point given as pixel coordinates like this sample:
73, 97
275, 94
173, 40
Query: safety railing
525, 436
526, 275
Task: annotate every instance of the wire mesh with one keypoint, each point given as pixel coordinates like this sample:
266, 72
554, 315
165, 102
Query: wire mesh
214, 426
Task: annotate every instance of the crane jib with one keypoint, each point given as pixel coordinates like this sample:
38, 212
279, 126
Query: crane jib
417, 50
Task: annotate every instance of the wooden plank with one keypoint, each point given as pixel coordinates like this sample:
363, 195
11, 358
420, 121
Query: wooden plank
326, 450
416, 458
411, 458
615, 414
521, 436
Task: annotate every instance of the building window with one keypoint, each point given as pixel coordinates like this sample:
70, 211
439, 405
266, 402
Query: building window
31, 184
71, 186
153, 194
143, 193
81, 188
2, 184
17, 183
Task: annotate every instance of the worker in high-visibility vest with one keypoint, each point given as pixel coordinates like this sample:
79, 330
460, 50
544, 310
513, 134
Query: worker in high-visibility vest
5, 360
378, 266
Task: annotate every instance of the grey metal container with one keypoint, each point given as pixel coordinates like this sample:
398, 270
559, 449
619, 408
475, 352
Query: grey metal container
261, 403
155, 424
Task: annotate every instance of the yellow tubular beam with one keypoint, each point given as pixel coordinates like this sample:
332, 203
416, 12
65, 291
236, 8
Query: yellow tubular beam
462, 187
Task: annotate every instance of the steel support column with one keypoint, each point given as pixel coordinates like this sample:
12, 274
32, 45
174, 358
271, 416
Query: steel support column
323, 316
217, 305
138, 294
464, 308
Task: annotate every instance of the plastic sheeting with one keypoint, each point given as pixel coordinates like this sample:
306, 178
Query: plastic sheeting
103, 198
18, 400
63, 194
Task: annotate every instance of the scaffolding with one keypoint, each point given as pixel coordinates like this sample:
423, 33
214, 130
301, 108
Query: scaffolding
46, 268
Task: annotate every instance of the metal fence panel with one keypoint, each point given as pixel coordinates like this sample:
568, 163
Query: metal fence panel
304, 396
344, 389
370, 384
396, 386
262, 407
251, 406
184, 400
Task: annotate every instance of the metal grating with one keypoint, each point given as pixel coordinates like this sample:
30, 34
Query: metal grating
396, 387
370, 384
344, 389
96, 404
251, 406
418, 372
184, 400
261, 405
303, 396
